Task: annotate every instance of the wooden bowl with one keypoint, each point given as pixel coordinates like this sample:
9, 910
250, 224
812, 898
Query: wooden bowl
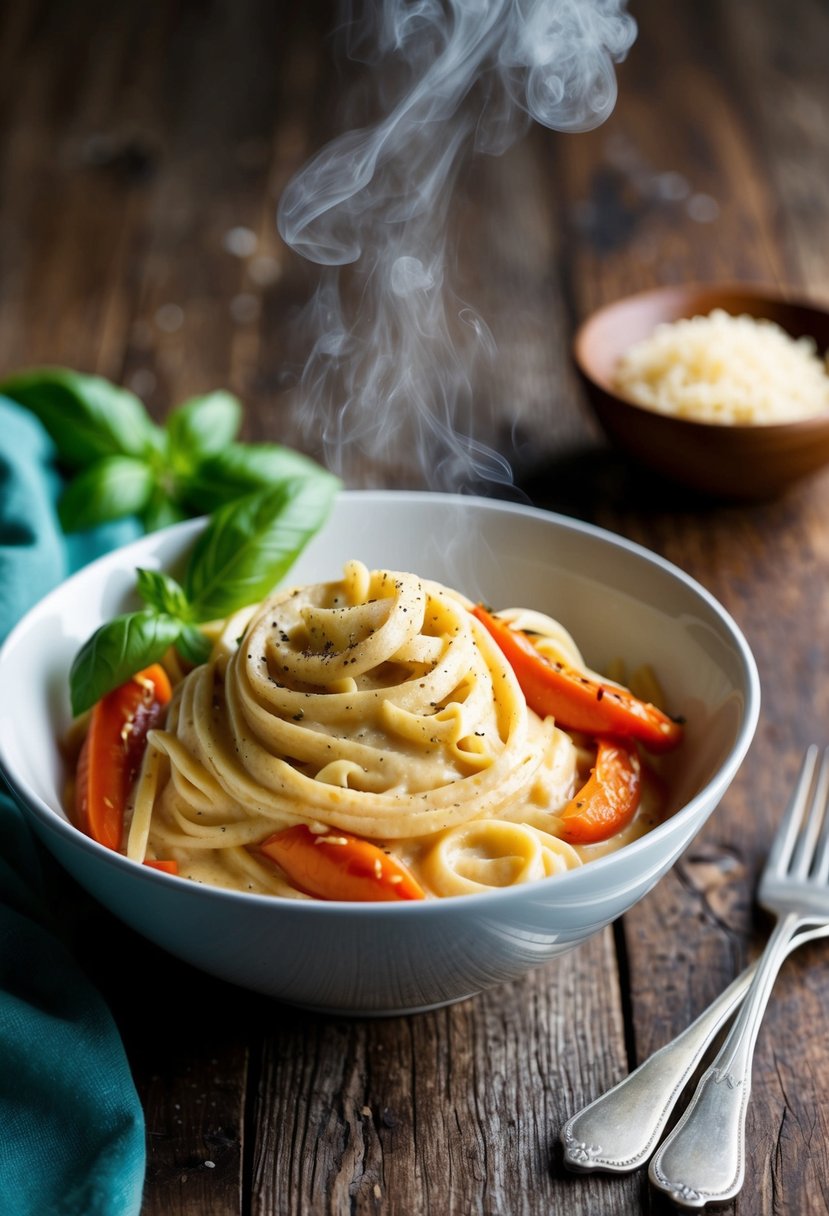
740, 462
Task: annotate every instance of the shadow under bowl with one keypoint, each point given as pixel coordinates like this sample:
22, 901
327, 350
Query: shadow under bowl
738, 462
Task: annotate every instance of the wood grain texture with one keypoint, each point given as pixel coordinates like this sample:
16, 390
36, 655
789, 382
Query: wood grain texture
134, 143
449, 1111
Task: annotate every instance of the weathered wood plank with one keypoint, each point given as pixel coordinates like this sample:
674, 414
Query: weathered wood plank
452, 1111
779, 68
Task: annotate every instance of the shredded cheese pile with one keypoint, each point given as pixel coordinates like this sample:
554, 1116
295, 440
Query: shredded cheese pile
725, 369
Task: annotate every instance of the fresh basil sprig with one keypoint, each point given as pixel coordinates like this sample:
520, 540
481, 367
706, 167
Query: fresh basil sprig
87, 417
244, 551
124, 464
116, 651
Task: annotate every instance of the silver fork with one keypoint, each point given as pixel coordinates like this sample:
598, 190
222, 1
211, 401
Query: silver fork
620, 1129
703, 1159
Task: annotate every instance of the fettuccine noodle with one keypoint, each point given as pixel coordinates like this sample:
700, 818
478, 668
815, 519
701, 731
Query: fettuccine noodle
375, 705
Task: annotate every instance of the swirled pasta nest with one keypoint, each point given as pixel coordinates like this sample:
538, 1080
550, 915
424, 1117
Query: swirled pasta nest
374, 705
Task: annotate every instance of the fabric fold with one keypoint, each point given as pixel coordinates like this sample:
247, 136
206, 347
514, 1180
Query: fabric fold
73, 1138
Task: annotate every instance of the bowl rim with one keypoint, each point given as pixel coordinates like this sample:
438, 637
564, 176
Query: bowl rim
55, 822
760, 292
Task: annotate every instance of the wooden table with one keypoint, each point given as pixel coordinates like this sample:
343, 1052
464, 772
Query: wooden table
135, 139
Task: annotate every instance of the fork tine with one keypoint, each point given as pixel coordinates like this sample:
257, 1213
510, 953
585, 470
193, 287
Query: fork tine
804, 850
785, 837
820, 869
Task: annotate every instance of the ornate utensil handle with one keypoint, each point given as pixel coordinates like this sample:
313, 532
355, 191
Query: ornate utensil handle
619, 1131
703, 1159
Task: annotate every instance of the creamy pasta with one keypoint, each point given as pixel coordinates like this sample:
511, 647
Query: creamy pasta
375, 705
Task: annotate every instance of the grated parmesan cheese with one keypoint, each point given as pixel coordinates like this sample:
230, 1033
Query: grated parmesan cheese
724, 369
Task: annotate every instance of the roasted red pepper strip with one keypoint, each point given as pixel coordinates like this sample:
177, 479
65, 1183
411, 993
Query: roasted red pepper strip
112, 752
607, 801
168, 866
575, 700
333, 865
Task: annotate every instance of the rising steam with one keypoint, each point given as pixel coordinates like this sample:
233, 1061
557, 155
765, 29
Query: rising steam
390, 369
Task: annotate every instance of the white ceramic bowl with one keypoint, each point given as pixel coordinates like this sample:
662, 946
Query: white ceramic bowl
615, 597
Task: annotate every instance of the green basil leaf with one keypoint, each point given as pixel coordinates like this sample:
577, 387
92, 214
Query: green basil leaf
161, 512
240, 469
249, 544
116, 651
86, 416
193, 645
201, 426
158, 590
109, 489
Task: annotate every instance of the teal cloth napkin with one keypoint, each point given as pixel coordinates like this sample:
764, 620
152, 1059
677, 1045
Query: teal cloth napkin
71, 1126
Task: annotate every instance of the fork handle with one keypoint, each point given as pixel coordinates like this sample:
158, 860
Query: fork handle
703, 1159
620, 1129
